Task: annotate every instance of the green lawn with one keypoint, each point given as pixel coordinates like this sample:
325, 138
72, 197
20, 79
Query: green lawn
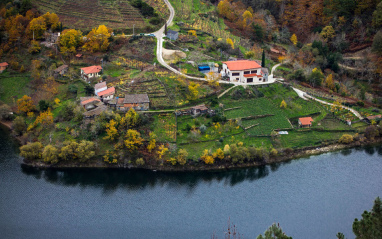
13, 87
266, 125
164, 127
298, 139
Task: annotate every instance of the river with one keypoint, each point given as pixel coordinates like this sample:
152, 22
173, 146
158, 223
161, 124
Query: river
313, 197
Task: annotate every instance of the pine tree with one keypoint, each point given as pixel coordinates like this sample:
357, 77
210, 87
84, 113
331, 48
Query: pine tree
263, 59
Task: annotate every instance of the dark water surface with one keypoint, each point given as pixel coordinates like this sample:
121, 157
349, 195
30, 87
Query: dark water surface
310, 198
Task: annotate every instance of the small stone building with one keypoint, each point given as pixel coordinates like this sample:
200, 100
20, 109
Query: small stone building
199, 109
137, 102
173, 35
61, 70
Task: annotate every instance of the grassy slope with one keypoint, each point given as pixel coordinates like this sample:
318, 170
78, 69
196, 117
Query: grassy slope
13, 86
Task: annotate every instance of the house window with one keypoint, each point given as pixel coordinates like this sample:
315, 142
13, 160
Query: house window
235, 74
254, 72
237, 79
249, 80
247, 72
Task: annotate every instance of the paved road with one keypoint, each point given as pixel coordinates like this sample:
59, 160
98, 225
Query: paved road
305, 96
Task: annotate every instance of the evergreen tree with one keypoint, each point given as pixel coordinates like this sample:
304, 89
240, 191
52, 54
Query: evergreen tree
370, 226
263, 59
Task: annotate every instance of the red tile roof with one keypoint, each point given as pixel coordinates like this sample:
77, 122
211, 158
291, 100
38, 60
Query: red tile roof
89, 101
373, 117
250, 75
92, 69
4, 64
241, 65
105, 93
306, 120
79, 55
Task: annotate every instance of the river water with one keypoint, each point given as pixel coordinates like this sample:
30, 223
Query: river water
313, 197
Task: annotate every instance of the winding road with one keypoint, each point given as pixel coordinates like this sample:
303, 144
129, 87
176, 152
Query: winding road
160, 34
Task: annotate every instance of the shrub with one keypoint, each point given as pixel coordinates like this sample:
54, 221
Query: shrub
31, 151
346, 139
140, 162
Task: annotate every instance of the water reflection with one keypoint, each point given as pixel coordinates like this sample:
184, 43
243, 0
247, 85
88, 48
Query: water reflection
111, 179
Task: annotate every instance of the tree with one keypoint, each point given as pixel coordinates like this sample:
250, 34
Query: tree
161, 151
133, 140
130, 120
31, 151
230, 42
377, 42
283, 104
34, 47
111, 130
25, 104
97, 39
258, 32
193, 92
70, 39
50, 154
370, 225
346, 139
182, 156
51, 20
152, 142
45, 118
371, 132
19, 125
207, 158
219, 154
293, 39
274, 232
69, 150
377, 16
43, 105
85, 150
263, 59
315, 78
249, 55
5, 111
37, 27
328, 33
329, 82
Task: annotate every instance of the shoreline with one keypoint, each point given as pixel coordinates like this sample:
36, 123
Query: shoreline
297, 154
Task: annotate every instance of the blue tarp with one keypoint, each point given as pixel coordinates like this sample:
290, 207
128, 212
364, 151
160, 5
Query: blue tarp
203, 68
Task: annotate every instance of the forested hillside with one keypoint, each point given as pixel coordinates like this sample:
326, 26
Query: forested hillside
343, 38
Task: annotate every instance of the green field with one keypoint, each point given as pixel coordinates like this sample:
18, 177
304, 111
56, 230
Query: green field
164, 127
298, 139
13, 87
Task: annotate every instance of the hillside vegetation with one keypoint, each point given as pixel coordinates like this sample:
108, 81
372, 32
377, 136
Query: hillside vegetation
118, 15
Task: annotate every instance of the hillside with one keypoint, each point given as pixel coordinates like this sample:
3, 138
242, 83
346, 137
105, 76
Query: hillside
87, 14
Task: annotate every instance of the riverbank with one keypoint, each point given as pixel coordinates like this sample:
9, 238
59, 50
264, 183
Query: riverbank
296, 154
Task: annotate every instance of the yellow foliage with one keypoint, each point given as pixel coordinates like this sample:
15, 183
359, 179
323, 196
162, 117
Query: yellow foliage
329, 82
230, 42
25, 104
133, 140
193, 91
111, 130
193, 33
283, 104
57, 101
152, 143
293, 39
219, 154
328, 33
207, 158
97, 39
226, 148
161, 151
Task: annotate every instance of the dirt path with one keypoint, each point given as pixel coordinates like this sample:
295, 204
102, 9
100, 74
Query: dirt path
305, 96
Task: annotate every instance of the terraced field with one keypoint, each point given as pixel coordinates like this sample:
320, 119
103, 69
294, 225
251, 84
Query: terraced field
87, 14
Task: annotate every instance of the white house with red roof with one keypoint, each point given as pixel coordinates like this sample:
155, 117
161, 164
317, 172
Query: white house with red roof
90, 72
244, 71
107, 95
100, 87
305, 122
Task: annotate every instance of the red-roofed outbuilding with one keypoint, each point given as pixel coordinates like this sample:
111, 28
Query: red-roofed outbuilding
3, 66
305, 122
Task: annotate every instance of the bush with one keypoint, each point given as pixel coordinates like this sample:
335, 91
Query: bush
4, 112
31, 151
346, 139
140, 162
